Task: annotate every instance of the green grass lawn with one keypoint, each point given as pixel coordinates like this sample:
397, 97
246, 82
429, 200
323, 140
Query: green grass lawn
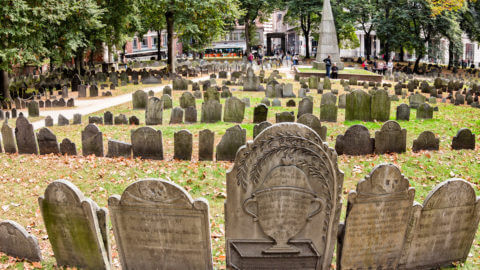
24, 177
344, 71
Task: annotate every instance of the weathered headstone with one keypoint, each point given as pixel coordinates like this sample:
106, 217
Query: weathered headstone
206, 140
93, 91
465, 139
67, 147
16, 242
119, 149
424, 111
380, 106
403, 112
147, 143
92, 141
358, 107
251, 82
416, 100
260, 113
342, 101
314, 123
82, 91
154, 112
25, 136
108, 118
286, 176
328, 108
187, 100
63, 121
211, 111
76, 227
8, 139
377, 219
443, 228
391, 138
231, 141
183, 144
77, 119
234, 111
48, 121
172, 231
33, 109
47, 142
305, 106
190, 115
284, 117
139, 99
426, 141
355, 142
120, 119
176, 117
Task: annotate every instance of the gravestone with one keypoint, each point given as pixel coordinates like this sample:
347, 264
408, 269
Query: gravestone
258, 128
139, 100
206, 140
358, 106
260, 113
16, 242
63, 121
276, 103
291, 103
190, 115
176, 117
67, 147
14, 113
424, 111
265, 101
76, 227
305, 106
180, 84
71, 103
33, 109
65, 92
183, 143
465, 139
120, 119
133, 120
313, 82
154, 112
390, 139
355, 142
211, 94
25, 137
231, 141
426, 141
166, 101
416, 100
92, 141
108, 118
403, 112
380, 106
314, 123
119, 149
172, 231
76, 82
197, 94
211, 111
187, 100
82, 91
342, 101
285, 176
251, 82
377, 219
147, 143
48, 121
77, 119
443, 228
234, 111
8, 139
328, 108
288, 91
167, 90
93, 91
47, 142
284, 117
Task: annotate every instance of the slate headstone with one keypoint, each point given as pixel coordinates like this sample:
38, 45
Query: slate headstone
47, 142
355, 142
206, 140
92, 141
25, 137
231, 141
391, 138
67, 147
147, 143
426, 141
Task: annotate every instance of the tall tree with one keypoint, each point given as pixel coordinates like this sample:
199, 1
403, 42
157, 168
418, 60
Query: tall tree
364, 12
254, 11
151, 20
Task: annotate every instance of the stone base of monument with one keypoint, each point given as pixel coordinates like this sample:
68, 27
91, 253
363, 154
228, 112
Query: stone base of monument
249, 254
321, 65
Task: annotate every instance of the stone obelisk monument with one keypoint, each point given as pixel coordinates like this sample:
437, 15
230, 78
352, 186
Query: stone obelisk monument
327, 41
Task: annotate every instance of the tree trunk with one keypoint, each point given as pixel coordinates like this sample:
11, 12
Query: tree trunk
386, 48
415, 68
368, 45
171, 50
4, 83
159, 46
450, 55
247, 36
79, 60
402, 54
124, 52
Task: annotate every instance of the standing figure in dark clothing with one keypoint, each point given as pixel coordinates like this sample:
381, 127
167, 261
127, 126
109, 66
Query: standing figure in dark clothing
334, 71
328, 65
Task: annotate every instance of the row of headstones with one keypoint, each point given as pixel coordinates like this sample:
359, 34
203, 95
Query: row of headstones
391, 138
8, 114
266, 190
146, 143
34, 106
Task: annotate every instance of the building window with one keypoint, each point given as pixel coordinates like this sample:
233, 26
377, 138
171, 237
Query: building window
155, 42
135, 45
144, 43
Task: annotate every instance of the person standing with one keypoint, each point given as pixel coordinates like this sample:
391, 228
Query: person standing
390, 67
328, 65
250, 58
